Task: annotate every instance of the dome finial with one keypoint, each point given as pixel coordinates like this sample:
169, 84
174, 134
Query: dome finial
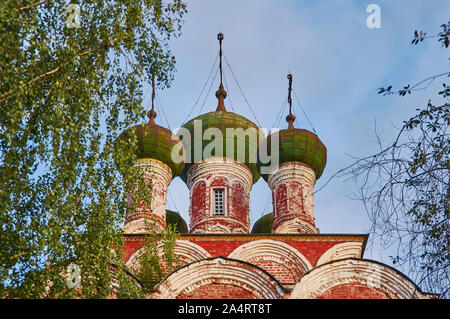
221, 94
152, 113
291, 117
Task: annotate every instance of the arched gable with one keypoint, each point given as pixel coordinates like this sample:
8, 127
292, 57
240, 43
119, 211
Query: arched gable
187, 251
341, 251
355, 278
284, 262
231, 274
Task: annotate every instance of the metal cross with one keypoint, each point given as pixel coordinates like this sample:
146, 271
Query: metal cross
220, 38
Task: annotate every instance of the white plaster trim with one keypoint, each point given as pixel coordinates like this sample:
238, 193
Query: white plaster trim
218, 229
219, 219
139, 226
186, 250
160, 175
212, 200
292, 170
286, 174
341, 251
295, 225
219, 166
221, 271
155, 169
272, 250
240, 231
354, 271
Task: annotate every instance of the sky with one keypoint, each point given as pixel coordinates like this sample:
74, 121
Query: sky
337, 62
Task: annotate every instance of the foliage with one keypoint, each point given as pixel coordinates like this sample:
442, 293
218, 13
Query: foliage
405, 187
66, 93
444, 36
158, 258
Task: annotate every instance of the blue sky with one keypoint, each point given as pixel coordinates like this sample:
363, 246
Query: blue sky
337, 62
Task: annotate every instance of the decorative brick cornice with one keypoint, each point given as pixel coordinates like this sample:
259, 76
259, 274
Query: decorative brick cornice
217, 219
251, 237
140, 225
295, 224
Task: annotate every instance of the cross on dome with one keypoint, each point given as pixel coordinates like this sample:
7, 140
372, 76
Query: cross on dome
152, 113
221, 94
291, 117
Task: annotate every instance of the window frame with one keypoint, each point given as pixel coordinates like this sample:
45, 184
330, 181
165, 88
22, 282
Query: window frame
213, 201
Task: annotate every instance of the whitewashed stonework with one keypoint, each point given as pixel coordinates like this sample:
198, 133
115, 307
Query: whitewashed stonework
160, 176
341, 251
266, 250
292, 185
220, 270
219, 166
353, 271
186, 251
236, 180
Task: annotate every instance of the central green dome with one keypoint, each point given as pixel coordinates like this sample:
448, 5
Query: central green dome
223, 120
244, 136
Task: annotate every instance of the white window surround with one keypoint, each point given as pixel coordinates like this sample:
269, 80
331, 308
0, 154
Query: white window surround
218, 201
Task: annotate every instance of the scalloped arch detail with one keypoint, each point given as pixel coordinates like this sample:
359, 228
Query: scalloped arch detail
186, 250
275, 251
352, 271
341, 251
220, 270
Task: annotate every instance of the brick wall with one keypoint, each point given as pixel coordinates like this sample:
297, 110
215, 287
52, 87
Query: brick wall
276, 259
217, 291
235, 179
312, 250
280, 272
352, 291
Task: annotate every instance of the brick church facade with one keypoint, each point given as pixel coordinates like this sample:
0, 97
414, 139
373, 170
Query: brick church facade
284, 255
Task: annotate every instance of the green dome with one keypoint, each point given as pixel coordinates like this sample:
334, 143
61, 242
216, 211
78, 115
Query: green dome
263, 225
299, 145
173, 218
222, 120
156, 142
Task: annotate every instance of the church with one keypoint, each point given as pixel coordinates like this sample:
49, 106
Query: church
283, 255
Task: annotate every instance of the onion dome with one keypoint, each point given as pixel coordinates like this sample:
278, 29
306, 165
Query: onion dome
250, 136
297, 145
174, 219
263, 225
156, 142
224, 120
